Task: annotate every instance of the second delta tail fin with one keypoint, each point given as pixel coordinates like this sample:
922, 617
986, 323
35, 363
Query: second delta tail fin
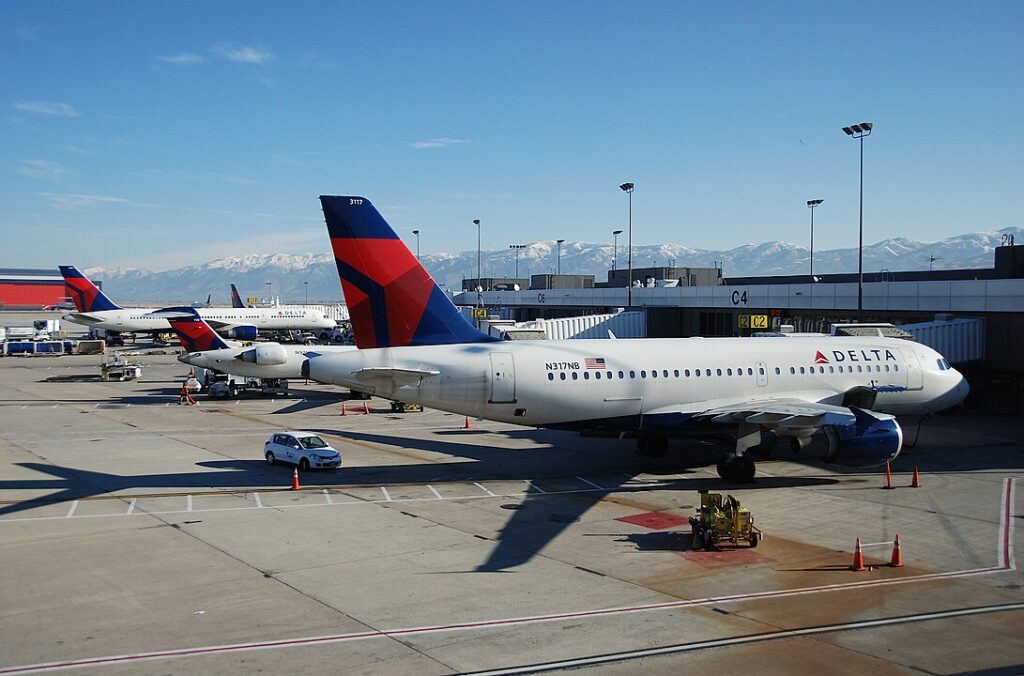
391, 298
192, 330
87, 296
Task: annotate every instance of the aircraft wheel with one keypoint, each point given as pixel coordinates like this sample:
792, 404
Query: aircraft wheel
641, 444
725, 466
744, 470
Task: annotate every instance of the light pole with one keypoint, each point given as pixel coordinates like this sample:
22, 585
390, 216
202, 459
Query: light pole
306, 284
417, 233
615, 248
479, 286
812, 204
517, 247
558, 261
628, 189
859, 131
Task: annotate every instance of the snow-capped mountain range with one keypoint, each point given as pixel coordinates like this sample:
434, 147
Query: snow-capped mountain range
293, 278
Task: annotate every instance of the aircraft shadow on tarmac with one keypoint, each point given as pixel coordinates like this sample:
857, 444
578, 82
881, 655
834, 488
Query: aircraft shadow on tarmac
535, 521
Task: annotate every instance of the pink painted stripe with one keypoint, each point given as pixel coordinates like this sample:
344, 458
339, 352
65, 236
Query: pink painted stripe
1005, 540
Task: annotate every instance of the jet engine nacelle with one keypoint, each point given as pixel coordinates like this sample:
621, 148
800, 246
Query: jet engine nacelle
874, 438
265, 354
242, 332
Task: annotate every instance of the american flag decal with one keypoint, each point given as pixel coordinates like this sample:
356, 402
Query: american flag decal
595, 363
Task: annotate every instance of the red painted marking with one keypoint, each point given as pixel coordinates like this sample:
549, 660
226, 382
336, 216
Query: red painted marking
819, 358
654, 520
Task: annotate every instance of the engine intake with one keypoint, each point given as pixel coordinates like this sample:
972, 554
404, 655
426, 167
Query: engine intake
873, 439
266, 354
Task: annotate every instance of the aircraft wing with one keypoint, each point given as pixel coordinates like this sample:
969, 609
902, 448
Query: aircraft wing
401, 376
776, 413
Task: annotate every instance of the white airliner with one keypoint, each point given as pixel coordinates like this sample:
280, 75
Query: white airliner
834, 398
94, 308
204, 348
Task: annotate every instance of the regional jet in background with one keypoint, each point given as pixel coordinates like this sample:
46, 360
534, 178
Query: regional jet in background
832, 398
206, 349
95, 309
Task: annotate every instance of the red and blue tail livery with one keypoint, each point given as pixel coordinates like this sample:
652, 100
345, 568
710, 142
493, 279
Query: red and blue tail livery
192, 330
391, 298
87, 296
236, 298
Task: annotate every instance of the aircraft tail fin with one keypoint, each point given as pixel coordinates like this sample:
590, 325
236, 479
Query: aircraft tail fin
87, 296
236, 298
192, 330
391, 298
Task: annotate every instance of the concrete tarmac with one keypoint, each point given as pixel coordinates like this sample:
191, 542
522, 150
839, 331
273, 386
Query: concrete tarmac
140, 536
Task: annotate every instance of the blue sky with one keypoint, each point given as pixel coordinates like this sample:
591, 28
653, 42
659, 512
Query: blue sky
160, 135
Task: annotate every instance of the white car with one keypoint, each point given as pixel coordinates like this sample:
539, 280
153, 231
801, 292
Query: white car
304, 449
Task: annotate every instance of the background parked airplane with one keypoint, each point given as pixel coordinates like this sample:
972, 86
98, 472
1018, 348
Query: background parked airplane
206, 349
95, 309
831, 397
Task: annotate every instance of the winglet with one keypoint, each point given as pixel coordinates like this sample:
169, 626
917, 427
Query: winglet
391, 298
87, 296
192, 330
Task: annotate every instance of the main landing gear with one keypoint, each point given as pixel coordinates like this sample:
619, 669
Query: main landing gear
738, 466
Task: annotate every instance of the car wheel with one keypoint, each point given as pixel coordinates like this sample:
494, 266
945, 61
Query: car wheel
270, 458
304, 465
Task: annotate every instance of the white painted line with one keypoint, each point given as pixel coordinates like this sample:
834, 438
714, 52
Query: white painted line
188, 503
387, 496
259, 503
591, 483
738, 640
434, 491
131, 507
327, 497
55, 406
536, 487
71, 510
26, 406
484, 489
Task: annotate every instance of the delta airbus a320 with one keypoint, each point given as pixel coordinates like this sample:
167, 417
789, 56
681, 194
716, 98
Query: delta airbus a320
833, 398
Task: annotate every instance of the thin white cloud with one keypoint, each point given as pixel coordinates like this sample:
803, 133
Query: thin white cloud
44, 169
78, 150
76, 201
182, 58
439, 142
46, 108
245, 54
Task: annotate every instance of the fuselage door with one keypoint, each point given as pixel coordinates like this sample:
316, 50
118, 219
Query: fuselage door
503, 378
915, 379
761, 371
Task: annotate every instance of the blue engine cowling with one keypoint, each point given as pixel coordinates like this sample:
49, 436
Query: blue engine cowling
242, 332
872, 439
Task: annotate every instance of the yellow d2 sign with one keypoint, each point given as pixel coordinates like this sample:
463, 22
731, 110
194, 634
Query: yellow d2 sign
744, 321
759, 321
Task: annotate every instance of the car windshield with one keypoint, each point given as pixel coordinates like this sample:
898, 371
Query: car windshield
312, 442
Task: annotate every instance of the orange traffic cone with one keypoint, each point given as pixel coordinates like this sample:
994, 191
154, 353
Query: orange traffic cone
897, 554
344, 409
366, 409
295, 483
467, 423
858, 558
888, 476
915, 482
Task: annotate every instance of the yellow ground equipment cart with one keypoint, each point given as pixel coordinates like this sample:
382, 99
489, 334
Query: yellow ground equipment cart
722, 519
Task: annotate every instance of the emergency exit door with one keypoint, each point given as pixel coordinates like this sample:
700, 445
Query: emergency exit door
503, 378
